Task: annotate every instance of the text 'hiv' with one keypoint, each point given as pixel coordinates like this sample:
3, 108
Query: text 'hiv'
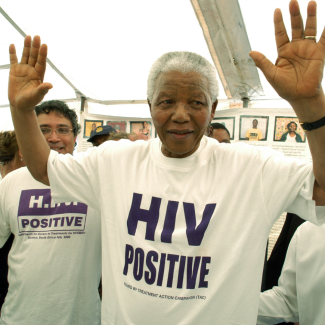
194, 233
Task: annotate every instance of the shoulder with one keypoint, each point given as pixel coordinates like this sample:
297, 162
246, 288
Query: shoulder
241, 150
17, 181
308, 230
125, 148
17, 176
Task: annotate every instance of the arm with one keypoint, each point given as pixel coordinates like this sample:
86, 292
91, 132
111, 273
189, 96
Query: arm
247, 135
260, 135
296, 77
284, 137
280, 303
26, 89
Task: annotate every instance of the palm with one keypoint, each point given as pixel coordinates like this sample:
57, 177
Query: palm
23, 80
26, 87
298, 70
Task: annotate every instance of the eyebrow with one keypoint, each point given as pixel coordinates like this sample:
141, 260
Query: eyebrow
58, 125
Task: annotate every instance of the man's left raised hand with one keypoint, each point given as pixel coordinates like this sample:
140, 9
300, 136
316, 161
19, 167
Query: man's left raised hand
298, 71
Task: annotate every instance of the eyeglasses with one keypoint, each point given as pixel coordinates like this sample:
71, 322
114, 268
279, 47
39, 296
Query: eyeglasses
59, 131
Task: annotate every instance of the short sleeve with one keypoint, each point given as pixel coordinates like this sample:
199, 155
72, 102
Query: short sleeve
74, 178
288, 185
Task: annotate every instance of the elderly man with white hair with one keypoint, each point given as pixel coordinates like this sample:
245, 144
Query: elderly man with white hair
174, 251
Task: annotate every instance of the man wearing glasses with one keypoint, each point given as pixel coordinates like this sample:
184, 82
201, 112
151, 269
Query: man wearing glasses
55, 259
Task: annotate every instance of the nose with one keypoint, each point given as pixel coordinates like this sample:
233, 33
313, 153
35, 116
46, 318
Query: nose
181, 113
54, 137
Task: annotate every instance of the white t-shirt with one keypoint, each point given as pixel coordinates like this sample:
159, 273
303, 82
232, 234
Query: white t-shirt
291, 139
300, 296
55, 259
183, 239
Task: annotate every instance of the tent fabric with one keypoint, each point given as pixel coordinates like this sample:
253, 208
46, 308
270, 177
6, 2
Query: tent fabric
105, 48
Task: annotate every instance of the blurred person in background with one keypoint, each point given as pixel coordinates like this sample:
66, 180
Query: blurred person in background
219, 132
101, 134
119, 136
10, 159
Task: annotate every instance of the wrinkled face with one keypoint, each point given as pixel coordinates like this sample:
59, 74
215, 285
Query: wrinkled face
60, 143
255, 124
292, 127
221, 135
181, 109
99, 139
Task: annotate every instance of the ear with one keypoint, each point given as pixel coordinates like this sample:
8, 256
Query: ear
75, 140
149, 105
20, 155
213, 109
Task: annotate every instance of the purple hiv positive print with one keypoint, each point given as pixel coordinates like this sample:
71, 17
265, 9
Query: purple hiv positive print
38, 213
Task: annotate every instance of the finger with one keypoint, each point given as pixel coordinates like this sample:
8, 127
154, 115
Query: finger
34, 51
12, 54
311, 22
40, 66
281, 37
26, 50
41, 91
264, 64
297, 25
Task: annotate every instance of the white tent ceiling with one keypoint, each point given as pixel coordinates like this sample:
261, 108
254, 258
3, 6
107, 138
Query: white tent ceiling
106, 48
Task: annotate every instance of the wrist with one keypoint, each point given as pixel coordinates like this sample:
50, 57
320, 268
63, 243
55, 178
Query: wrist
311, 109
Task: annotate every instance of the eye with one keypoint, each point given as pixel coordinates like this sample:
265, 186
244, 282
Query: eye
46, 131
63, 131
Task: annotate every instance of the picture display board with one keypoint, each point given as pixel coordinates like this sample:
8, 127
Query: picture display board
281, 130
142, 129
90, 127
117, 125
246, 127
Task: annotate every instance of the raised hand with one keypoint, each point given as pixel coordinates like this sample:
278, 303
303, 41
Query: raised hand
298, 71
26, 88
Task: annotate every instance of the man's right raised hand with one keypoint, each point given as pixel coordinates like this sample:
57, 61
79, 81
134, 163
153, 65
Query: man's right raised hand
26, 88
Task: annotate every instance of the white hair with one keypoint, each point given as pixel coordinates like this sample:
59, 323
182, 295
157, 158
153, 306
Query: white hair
184, 62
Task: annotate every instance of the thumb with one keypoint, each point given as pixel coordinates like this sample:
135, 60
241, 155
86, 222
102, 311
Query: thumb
264, 64
42, 90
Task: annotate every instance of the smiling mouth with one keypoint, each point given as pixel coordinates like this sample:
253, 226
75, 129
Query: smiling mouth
57, 148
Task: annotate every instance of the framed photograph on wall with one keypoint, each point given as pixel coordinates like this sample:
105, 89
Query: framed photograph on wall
253, 128
117, 125
288, 129
228, 122
90, 127
142, 129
